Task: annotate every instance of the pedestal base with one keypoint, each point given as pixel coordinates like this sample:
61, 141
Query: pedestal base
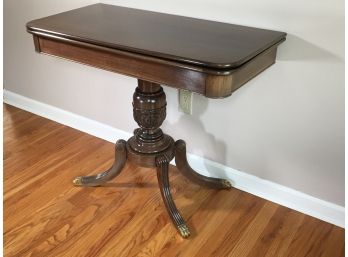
146, 154
149, 147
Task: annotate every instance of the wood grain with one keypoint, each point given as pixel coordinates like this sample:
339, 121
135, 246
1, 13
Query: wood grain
163, 36
44, 215
130, 64
211, 83
210, 58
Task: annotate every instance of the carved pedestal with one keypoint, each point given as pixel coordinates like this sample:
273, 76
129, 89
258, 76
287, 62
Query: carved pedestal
150, 147
149, 111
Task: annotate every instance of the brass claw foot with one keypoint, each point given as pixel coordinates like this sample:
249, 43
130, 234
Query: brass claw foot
226, 183
184, 231
77, 181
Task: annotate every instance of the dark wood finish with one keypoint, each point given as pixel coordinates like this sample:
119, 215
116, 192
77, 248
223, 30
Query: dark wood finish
116, 168
92, 36
149, 111
163, 180
184, 167
37, 44
145, 68
149, 159
209, 58
45, 217
177, 38
150, 147
211, 83
218, 86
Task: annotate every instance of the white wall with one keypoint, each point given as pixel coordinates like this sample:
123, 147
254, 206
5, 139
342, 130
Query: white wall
286, 125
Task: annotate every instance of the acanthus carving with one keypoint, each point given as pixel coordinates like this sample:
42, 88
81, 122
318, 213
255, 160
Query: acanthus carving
149, 118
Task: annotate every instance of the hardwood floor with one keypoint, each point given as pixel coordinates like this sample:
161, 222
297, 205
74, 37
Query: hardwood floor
44, 215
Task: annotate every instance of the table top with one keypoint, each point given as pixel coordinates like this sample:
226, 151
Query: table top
181, 39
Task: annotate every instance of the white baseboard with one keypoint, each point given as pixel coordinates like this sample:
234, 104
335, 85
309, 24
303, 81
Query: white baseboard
268, 190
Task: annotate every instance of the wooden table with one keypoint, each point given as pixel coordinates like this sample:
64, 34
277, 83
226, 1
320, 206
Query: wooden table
210, 58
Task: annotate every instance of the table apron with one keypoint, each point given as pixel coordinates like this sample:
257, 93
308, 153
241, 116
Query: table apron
195, 79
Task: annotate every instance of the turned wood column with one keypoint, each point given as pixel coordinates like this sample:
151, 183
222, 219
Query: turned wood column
149, 111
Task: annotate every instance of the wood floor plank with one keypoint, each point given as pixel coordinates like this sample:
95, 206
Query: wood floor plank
334, 245
311, 232
252, 233
276, 238
45, 216
228, 232
195, 202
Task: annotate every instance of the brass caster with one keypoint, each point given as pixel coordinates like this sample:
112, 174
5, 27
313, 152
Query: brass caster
226, 183
77, 181
184, 231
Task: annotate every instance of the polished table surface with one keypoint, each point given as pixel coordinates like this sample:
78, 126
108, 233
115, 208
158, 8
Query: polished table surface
210, 58
204, 43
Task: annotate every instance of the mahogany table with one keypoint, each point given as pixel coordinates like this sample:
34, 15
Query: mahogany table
210, 58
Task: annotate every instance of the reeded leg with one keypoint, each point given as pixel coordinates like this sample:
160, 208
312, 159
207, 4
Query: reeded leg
184, 167
101, 178
163, 180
